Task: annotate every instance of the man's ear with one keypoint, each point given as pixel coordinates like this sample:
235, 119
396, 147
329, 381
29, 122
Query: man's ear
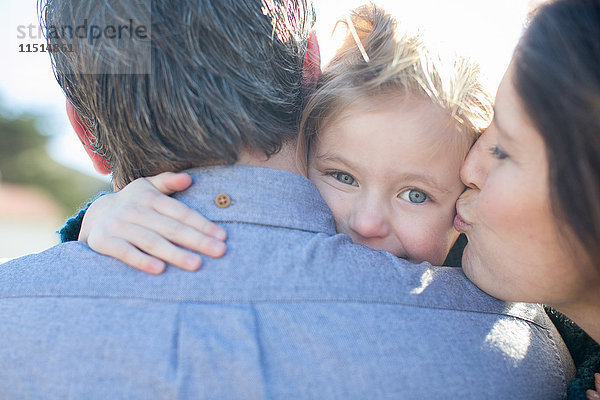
100, 164
312, 63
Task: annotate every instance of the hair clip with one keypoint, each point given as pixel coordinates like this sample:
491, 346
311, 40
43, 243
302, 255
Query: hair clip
357, 39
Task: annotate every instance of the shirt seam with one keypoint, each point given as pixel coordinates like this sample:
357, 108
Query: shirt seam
558, 358
261, 353
317, 230
275, 301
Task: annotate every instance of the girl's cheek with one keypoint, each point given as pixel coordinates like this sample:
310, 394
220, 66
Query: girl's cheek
414, 237
434, 242
339, 205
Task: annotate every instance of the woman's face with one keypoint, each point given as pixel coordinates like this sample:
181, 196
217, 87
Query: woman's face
515, 251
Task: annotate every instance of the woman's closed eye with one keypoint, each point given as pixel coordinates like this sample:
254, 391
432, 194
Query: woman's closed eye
498, 153
414, 196
343, 178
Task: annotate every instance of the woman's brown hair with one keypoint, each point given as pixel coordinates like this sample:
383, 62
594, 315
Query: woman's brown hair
557, 76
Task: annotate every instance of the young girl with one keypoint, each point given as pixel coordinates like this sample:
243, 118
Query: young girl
383, 138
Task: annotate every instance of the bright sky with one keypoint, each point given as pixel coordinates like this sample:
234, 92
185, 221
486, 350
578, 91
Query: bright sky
486, 30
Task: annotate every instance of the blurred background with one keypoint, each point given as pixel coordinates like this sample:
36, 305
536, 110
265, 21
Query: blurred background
45, 175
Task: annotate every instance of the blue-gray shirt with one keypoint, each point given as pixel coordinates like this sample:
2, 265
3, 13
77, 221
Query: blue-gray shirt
292, 311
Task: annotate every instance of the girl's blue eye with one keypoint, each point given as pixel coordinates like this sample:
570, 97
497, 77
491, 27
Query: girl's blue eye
414, 196
344, 178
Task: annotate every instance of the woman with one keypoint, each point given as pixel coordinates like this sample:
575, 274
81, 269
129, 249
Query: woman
532, 208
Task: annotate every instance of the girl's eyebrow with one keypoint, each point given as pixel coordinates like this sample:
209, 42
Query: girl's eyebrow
338, 159
425, 179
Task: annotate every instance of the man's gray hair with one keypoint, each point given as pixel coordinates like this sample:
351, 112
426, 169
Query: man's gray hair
221, 76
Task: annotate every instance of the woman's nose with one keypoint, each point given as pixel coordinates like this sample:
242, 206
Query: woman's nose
474, 170
370, 220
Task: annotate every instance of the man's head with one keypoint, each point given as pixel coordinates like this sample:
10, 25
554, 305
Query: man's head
223, 76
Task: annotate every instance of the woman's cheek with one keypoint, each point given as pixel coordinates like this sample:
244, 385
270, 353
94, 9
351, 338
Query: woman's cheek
499, 210
512, 240
491, 253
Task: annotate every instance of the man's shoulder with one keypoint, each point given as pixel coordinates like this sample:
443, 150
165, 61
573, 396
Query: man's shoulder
299, 267
354, 271
362, 305
55, 271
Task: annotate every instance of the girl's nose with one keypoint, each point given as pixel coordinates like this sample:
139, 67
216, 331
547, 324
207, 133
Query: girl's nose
370, 220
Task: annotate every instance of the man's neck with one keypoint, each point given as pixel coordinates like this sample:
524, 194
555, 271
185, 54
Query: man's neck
284, 160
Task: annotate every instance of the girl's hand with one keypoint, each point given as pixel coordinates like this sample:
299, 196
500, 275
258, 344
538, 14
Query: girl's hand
141, 226
594, 394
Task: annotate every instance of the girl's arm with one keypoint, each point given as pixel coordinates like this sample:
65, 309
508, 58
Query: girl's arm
70, 231
143, 227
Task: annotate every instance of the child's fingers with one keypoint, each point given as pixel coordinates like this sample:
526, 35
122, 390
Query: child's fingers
170, 182
152, 192
143, 249
181, 234
130, 255
157, 246
177, 210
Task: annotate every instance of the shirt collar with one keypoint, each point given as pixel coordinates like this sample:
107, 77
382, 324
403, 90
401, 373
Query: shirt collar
255, 195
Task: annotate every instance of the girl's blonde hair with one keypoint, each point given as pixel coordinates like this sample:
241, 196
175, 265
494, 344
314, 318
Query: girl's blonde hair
394, 63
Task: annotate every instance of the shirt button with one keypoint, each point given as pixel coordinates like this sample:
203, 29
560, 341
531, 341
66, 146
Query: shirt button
222, 200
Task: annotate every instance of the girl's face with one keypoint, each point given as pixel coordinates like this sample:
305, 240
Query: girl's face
390, 175
515, 251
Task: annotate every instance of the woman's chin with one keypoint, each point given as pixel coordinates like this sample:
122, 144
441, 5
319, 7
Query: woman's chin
478, 274
468, 264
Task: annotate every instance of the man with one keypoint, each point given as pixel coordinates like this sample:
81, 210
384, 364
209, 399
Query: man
292, 310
